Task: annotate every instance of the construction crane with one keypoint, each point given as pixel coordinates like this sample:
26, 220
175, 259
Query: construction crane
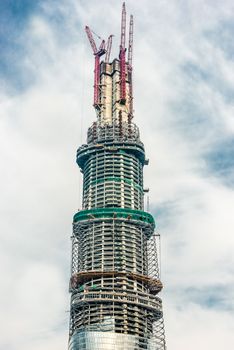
122, 57
125, 68
108, 48
123, 27
130, 48
98, 52
130, 42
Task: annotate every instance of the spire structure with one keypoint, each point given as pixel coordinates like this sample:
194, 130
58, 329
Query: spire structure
115, 278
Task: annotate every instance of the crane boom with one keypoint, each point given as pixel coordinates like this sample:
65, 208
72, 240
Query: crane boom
101, 49
91, 40
130, 43
122, 57
108, 49
123, 27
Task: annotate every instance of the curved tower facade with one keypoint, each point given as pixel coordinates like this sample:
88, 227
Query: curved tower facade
114, 276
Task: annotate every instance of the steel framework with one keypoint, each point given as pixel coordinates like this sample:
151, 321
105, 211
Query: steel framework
115, 273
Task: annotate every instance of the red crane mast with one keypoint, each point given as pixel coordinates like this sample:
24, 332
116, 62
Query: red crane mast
97, 53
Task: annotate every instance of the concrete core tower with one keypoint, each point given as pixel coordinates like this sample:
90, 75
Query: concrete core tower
115, 276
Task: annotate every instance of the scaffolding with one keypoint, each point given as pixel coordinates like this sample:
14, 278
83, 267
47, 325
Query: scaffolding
115, 278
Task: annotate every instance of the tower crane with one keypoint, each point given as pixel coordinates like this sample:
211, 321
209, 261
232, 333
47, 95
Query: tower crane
130, 42
98, 52
108, 48
122, 57
130, 47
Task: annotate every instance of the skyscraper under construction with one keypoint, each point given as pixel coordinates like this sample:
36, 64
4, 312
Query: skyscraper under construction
115, 273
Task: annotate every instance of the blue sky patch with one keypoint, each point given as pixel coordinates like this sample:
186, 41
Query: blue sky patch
212, 297
222, 37
220, 161
195, 72
14, 16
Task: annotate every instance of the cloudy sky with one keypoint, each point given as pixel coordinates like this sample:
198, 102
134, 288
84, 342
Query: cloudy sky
184, 105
